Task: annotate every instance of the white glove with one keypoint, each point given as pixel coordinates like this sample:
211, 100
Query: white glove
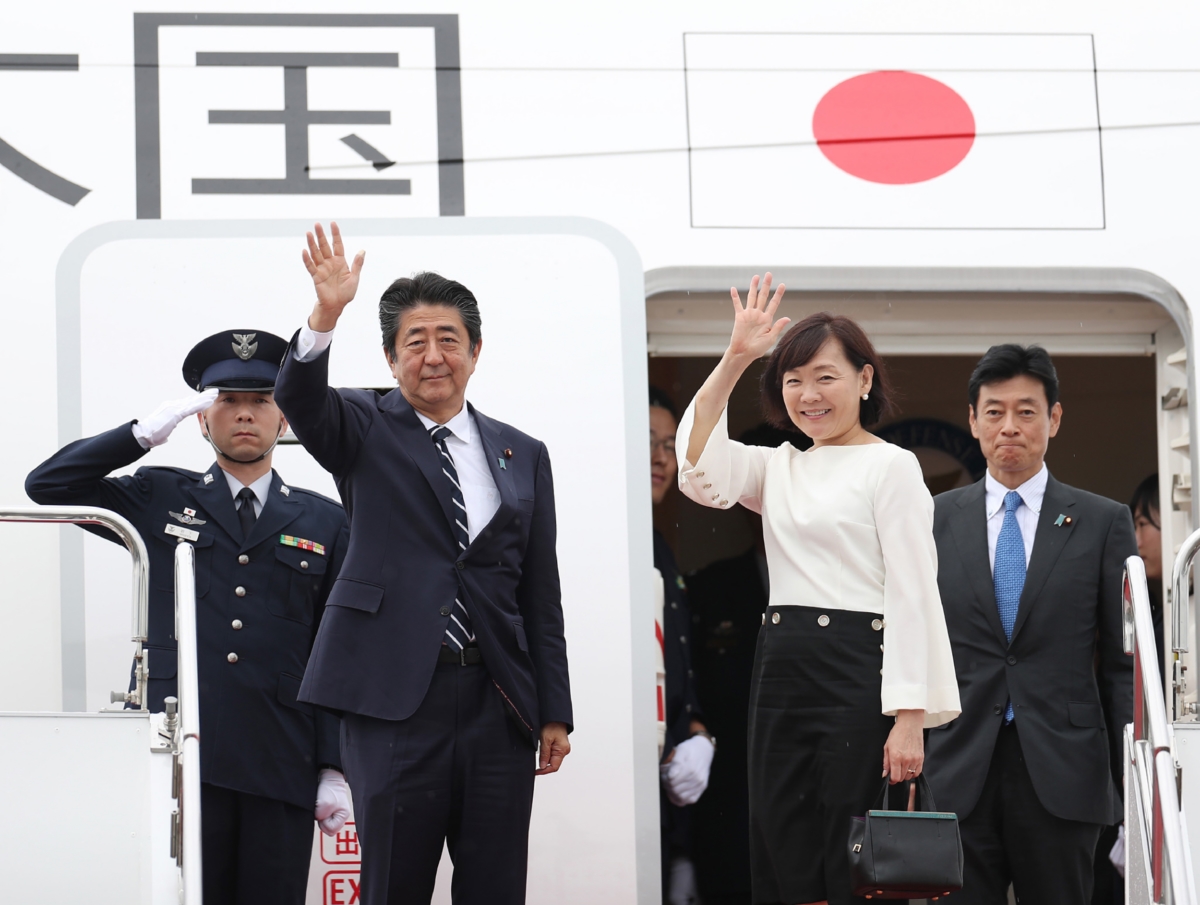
333, 801
1117, 855
686, 777
156, 430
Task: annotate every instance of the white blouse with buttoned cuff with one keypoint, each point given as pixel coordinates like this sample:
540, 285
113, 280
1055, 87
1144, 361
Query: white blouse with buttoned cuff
846, 528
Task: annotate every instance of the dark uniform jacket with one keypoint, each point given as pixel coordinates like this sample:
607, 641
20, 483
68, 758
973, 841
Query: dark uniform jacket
256, 737
728, 599
387, 613
1065, 671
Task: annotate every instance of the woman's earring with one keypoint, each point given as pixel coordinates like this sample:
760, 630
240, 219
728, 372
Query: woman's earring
866, 396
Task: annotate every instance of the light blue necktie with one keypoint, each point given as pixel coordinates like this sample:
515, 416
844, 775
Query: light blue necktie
1008, 572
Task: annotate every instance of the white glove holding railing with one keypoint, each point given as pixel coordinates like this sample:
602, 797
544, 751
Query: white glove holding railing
156, 430
685, 777
333, 801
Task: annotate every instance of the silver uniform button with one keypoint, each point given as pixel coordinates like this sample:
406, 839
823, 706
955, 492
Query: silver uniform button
775, 619
243, 559
240, 591
304, 564
822, 620
237, 625
764, 618
876, 625
232, 658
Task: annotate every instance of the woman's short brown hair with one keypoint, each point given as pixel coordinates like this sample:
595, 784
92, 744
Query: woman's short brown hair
797, 348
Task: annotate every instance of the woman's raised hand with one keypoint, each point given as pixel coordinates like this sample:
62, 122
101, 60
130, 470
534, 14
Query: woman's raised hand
755, 329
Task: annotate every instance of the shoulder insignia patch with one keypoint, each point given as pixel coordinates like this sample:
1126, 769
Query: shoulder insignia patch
288, 541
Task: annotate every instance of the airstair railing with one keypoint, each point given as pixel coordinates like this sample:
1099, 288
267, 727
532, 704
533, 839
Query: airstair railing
188, 750
1180, 641
92, 515
1151, 777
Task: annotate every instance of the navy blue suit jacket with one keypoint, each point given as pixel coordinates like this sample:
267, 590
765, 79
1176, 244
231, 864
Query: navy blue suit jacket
256, 736
387, 613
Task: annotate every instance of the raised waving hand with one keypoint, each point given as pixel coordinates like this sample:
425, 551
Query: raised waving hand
755, 329
335, 280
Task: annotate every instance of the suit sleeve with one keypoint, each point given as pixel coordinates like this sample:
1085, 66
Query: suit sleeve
77, 475
539, 597
1115, 667
325, 423
328, 726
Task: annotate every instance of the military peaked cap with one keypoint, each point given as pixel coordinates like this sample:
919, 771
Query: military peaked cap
235, 360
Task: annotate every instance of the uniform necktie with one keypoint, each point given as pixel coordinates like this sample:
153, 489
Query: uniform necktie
246, 516
458, 630
1008, 572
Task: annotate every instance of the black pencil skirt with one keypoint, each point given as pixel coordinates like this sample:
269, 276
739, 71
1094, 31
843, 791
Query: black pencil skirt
816, 738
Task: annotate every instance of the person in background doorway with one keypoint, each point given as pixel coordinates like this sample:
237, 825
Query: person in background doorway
728, 598
1147, 527
267, 555
688, 749
1030, 579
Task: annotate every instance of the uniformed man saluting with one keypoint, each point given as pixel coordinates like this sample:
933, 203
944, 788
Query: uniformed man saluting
266, 556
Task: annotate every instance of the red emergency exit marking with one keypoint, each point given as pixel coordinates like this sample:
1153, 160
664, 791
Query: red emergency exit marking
341, 887
342, 848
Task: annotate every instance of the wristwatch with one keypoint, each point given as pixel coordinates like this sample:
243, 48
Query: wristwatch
708, 736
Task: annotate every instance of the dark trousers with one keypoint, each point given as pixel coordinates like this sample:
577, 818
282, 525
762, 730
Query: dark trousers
1011, 838
456, 772
256, 850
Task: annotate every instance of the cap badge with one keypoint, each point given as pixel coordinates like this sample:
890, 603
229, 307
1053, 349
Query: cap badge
188, 517
245, 347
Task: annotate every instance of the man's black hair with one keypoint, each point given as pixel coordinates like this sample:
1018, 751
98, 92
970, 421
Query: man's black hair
1004, 362
1145, 501
426, 288
660, 399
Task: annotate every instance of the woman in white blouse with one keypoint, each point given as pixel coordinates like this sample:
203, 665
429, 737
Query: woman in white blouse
853, 659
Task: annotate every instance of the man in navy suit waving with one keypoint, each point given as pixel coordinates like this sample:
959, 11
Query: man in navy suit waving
442, 644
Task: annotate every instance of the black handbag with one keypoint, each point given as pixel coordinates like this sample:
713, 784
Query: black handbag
906, 854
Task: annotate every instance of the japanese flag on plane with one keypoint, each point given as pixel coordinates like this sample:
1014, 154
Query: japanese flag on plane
893, 131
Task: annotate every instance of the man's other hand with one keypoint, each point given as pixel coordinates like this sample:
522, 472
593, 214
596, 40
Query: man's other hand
333, 802
336, 281
156, 429
555, 746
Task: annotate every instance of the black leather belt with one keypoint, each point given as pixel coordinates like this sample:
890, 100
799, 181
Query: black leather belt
468, 656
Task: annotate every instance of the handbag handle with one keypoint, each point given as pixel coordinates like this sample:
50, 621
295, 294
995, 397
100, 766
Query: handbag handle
924, 794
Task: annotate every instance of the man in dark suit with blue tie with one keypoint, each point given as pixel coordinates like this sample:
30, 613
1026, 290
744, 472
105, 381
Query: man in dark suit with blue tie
1030, 577
442, 644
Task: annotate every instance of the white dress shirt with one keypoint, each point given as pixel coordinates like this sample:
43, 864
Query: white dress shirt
1032, 493
260, 488
480, 495
845, 528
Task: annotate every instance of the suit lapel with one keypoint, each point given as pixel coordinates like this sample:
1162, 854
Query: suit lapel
970, 536
415, 441
277, 513
493, 447
1048, 543
215, 499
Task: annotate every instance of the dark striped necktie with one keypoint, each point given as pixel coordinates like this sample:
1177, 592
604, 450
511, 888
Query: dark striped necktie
458, 629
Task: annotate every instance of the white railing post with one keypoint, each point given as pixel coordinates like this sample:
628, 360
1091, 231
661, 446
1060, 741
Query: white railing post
191, 862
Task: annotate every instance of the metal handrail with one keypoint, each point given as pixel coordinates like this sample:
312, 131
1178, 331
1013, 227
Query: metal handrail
191, 862
93, 515
1152, 756
1180, 631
